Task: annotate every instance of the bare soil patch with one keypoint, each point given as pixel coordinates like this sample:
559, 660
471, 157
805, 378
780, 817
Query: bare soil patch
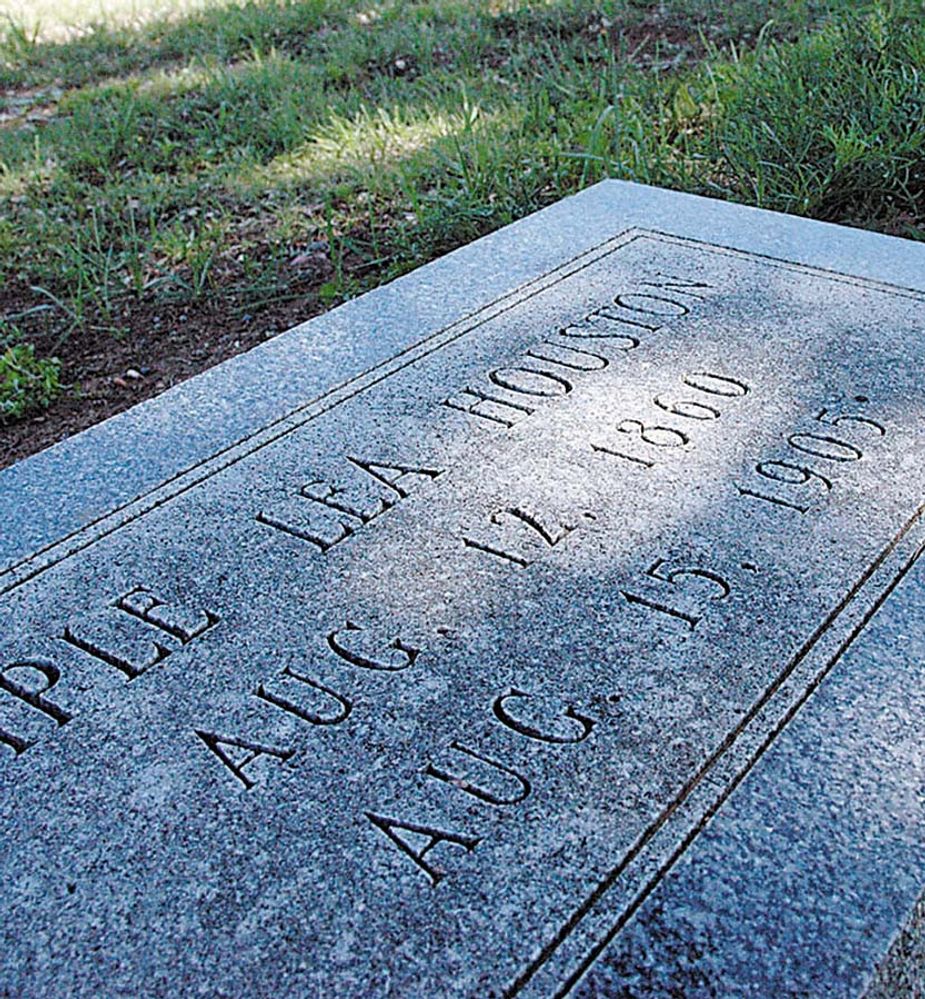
164, 345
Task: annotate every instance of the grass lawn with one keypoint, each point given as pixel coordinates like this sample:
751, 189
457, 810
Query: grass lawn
181, 178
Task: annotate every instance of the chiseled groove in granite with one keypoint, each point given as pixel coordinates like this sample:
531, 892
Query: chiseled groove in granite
747, 722
23, 570
900, 291
740, 776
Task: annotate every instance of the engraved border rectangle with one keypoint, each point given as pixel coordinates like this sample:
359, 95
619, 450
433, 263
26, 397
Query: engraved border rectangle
767, 716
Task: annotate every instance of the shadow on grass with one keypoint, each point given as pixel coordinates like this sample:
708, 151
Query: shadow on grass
304, 28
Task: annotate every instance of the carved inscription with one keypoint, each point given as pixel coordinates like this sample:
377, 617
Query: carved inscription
29, 682
463, 768
136, 631
397, 832
303, 696
519, 536
805, 474
497, 783
324, 514
646, 441
237, 754
492, 791
690, 583
552, 368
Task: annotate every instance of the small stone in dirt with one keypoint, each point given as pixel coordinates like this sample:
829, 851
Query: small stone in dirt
318, 247
134, 374
121, 382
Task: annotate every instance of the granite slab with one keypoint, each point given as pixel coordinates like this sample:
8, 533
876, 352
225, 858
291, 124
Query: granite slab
424, 649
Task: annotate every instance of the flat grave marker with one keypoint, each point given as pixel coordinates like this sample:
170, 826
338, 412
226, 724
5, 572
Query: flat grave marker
425, 685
